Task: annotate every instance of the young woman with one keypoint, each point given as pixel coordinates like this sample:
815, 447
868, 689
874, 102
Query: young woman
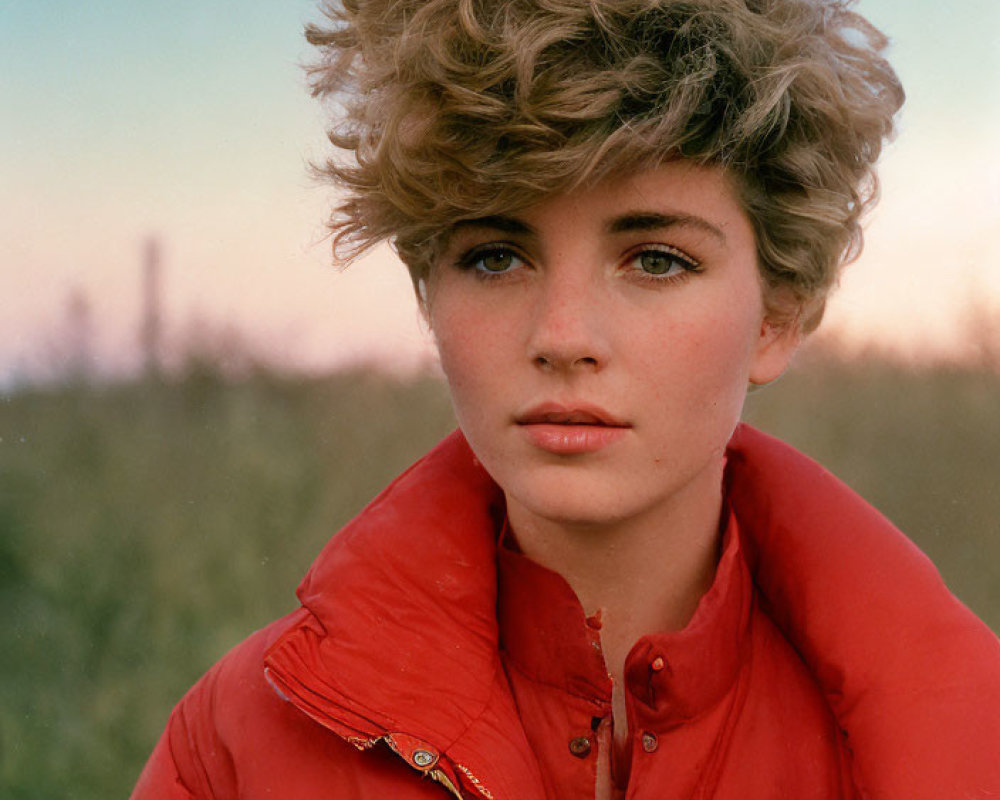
618, 215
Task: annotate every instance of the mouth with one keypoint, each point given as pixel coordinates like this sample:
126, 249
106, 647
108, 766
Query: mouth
570, 415
571, 430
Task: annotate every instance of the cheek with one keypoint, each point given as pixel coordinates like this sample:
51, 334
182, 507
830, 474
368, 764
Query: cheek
703, 360
466, 344
455, 350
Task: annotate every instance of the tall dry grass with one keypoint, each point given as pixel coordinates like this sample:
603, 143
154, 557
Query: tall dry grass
147, 528
922, 443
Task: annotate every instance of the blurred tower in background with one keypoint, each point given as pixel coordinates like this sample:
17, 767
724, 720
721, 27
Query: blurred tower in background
150, 332
80, 331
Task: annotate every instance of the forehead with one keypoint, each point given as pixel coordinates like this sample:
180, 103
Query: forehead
674, 195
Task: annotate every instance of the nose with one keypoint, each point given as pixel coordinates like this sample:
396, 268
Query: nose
568, 331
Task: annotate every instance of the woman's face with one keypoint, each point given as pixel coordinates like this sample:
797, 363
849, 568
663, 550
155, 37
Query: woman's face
599, 344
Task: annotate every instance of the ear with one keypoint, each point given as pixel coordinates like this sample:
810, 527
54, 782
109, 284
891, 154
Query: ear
420, 287
776, 344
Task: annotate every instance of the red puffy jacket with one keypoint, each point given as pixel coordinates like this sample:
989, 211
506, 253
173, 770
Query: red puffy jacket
847, 669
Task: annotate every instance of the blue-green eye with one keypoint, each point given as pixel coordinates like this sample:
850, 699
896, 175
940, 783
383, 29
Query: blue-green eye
663, 262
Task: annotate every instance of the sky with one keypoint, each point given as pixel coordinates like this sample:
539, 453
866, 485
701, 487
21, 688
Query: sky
190, 121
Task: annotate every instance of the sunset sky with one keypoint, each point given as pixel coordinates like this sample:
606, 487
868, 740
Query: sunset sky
189, 120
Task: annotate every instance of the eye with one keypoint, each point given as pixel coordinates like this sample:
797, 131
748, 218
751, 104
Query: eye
663, 262
492, 260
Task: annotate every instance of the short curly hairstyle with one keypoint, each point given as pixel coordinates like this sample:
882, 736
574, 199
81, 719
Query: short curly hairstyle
457, 109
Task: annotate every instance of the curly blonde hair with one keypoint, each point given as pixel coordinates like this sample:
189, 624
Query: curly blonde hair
459, 109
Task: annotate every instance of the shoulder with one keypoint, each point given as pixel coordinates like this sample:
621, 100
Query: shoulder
911, 674
194, 757
232, 735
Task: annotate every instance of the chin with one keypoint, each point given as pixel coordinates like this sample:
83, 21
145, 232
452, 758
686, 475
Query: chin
578, 504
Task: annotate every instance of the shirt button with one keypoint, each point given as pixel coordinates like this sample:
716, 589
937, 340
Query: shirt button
580, 746
649, 743
657, 664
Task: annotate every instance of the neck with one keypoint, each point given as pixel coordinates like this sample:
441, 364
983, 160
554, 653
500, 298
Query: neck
645, 573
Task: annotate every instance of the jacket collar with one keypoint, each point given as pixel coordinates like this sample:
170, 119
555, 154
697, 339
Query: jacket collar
673, 676
399, 638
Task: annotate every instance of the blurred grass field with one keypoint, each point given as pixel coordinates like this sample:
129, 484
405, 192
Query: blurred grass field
147, 527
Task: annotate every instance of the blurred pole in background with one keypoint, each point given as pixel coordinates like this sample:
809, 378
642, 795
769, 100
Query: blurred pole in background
150, 330
80, 329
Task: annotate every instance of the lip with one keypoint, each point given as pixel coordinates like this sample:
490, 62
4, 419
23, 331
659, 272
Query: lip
571, 429
569, 414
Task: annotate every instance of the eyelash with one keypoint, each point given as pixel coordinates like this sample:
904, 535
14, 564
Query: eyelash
469, 260
687, 264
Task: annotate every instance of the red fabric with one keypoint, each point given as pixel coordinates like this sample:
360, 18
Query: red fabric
389, 682
912, 675
723, 709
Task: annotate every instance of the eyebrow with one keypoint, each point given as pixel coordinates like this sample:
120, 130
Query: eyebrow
654, 221
625, 223
498, 222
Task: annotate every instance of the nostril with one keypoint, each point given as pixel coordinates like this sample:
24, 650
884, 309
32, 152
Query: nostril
553, 361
